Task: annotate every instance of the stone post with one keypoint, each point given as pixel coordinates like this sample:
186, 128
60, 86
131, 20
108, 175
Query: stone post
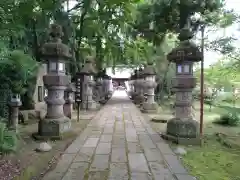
55, 53
183, 128
150, 106
139, 98
68, 96
14, 104
88, 72
134, 78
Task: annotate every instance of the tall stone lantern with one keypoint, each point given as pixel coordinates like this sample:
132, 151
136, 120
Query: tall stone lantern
88, 72
68, 96
55, 53
149, 84
14, 104
183, 128
139, 98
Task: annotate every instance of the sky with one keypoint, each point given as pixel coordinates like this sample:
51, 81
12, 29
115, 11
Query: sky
210, 57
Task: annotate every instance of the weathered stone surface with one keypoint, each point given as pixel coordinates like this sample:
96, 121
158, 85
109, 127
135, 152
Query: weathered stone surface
160, 171
100, 163
106, 138
103, 148
84, 155
175, 166
137, 162
119, 155
118, 171
164, 148
141, 176
76, 171
134, 147
91, 142
44, 147
153, 155
104, 154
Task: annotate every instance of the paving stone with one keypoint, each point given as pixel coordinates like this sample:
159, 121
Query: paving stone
100, 163
165, 148
118, 171
108, 131
141, 176
184, 177
146, 142
84, 155
137, 162
91, 142
118, 155
76, 171
75, 146
103, 148
134, 147
61, 168
175, 166
153, 155
160, 171
119, 141
100, 175
106, 138
156, 138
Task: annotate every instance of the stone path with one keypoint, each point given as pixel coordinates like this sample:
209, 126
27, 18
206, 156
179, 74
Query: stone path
118, 144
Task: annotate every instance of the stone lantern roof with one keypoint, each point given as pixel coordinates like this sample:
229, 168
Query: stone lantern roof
187, 50
149, 69
55, 49
88, 68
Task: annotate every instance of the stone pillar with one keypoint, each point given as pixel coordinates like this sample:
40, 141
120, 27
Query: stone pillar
149, 84
56, 81
14, 104
183, 127
68, 96
88, 72
139, 97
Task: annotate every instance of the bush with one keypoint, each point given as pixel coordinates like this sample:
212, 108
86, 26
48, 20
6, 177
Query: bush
230, 119
8, 139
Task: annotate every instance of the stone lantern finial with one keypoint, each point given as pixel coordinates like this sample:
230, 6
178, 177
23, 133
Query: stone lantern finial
56, 31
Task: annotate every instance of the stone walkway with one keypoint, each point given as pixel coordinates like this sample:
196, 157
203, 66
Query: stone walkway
118, 144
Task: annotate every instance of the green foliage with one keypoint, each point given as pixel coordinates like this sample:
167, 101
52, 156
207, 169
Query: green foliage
8, 139
16, 68
230, 119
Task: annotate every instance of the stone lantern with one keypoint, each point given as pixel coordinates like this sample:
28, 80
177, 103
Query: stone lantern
68, 97
55, 53
106, 85
88, 72
139, 98
99, 87
14, 104
183, 128
131, 88
134, 78
150, 106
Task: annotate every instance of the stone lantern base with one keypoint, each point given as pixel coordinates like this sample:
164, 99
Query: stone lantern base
90, 106
150, 108
53, 128
183, 131
138, 99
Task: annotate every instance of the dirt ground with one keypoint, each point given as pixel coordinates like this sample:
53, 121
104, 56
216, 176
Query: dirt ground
26, 163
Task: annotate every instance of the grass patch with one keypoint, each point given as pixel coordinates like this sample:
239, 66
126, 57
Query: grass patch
213, 161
